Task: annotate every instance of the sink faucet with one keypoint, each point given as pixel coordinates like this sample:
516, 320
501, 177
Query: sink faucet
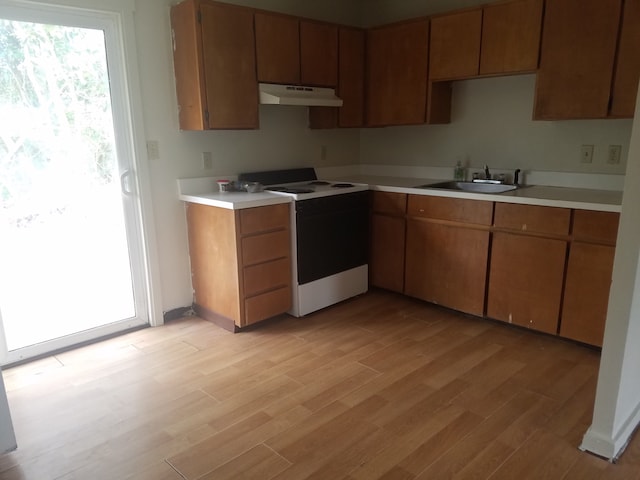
487, 173
516, 176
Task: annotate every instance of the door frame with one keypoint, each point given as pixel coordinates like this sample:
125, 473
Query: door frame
116, 19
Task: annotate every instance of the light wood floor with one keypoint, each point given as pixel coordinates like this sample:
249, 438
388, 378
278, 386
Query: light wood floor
378, 387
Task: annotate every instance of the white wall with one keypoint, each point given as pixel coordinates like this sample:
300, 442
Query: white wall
282, 141
491, 123
617, 407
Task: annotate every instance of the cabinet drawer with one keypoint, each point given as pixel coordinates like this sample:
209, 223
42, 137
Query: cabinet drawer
265, 247
267, 305
532, 219
597, 227
453, 209
266, 276
261, 219
389, 202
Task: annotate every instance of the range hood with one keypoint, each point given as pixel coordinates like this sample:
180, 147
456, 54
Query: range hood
272, 94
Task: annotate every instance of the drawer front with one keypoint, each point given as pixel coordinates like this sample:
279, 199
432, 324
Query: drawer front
267, 305
533, 219
596, 227
262, 219
266, 276
389, 202
452, 209
265, 247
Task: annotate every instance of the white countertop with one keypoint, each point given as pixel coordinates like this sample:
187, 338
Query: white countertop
235, 200
563, 197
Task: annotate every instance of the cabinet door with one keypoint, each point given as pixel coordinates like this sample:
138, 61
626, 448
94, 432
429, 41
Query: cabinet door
525, 281
351, 77
455, 45
277, 48
351, 52
386, 262
229, 63
586, 294
625, 80
397, 74
511, 37
318, 54
576, 59
447, 265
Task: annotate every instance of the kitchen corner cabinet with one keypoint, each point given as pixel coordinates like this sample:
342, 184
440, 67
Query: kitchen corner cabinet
526, 271
240, 263
588, 280
397, 74
577, 59
214, 62
447, 248
351, 53
386, 262
455, 45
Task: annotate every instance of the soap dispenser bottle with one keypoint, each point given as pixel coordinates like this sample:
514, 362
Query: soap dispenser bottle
458, 172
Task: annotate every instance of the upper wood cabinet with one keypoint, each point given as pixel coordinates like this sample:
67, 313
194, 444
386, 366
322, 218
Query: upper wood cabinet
397, 74
627, 72
294, 51
214, 62
501, 38
277, 48
351, 54
318, 54
455, 45
511, 37
351, 77
577, 59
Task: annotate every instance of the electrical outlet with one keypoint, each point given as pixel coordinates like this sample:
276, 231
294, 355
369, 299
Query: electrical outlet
586, 154
207, 161
323, 152
153, 150
613, 158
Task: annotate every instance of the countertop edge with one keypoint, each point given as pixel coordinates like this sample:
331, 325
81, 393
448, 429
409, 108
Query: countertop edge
235, 200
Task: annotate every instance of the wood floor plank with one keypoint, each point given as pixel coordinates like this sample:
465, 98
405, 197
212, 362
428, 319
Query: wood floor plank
378, 387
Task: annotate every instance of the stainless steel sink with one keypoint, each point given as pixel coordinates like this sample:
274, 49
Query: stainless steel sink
474, 187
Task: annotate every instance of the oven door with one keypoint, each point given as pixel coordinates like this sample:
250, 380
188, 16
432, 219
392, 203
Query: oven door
331, 235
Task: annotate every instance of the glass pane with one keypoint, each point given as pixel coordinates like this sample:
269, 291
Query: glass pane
64, 258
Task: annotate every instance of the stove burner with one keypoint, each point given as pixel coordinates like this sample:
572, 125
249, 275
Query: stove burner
342, 185
318, 182
290, 189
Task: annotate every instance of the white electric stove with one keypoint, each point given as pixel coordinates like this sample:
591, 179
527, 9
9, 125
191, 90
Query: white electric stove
330, 228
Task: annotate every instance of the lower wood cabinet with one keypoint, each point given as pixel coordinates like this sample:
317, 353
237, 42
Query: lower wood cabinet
447, 265
240, 263
586, 295
386, 255
525, 280
526, 274
588, 279
447, 248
